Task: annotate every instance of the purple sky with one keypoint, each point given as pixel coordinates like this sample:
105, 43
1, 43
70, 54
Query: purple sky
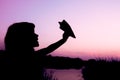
96, 24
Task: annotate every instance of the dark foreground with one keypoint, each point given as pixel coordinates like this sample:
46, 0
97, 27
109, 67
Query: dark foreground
93, 69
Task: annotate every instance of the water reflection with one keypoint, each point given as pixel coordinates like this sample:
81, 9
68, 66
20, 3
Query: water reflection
64, 74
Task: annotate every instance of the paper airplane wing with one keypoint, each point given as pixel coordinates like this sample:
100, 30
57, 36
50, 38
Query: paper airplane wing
66, 27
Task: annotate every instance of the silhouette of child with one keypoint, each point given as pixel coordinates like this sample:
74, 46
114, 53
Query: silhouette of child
22, 61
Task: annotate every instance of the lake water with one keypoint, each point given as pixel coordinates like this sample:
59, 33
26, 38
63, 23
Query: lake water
64, 74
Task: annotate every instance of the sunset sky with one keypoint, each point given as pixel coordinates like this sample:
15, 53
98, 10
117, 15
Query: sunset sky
96, 24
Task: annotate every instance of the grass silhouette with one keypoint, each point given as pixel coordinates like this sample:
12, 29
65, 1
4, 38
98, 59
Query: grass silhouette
99, 69
48, 76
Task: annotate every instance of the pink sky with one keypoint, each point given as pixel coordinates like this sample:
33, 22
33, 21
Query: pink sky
96, 24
